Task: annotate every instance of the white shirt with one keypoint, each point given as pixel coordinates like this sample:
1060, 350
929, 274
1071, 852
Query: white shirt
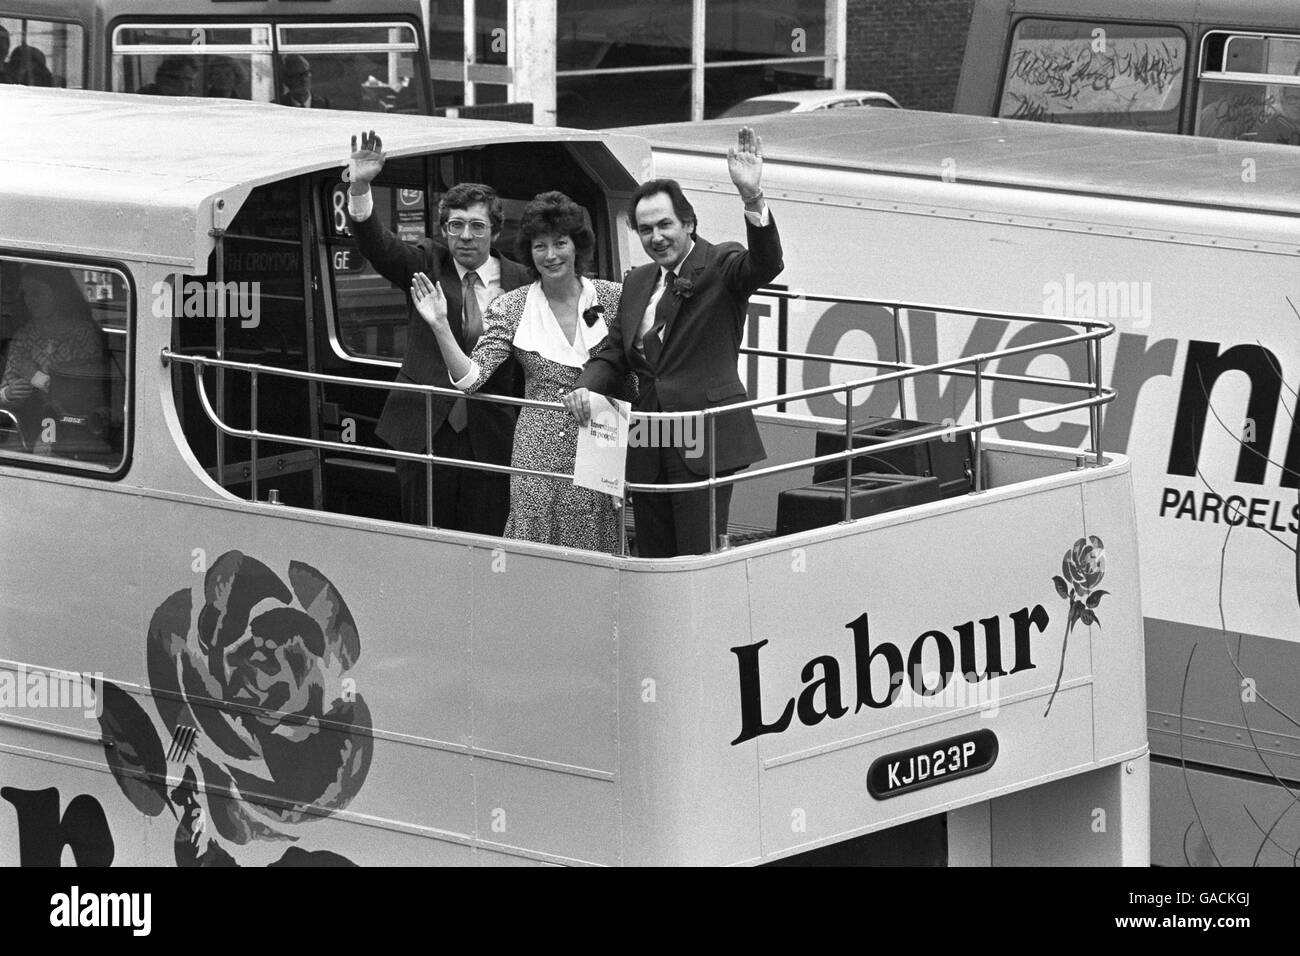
759, 219
489, 273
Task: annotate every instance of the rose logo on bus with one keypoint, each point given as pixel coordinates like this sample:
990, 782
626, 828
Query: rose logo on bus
1082, 569
282, 737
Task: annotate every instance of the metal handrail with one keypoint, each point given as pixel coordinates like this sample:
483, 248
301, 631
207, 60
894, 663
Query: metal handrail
966, 366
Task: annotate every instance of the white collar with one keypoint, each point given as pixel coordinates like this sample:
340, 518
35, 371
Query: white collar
663, 270
489, 273
539, 331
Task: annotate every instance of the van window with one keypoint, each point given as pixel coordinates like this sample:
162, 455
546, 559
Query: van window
1250, 88
1091, 73
65, 352
41, 53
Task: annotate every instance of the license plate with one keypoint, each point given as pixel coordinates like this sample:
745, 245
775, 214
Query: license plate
939, 762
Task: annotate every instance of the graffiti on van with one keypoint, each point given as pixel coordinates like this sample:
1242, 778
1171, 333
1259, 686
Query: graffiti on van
253, 690
1120, 75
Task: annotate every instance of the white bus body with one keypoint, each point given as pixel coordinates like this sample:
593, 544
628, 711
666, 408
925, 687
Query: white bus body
303, 683
1192, 249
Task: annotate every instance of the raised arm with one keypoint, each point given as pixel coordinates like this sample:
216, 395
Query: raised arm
467, 372
395, 260
746, 271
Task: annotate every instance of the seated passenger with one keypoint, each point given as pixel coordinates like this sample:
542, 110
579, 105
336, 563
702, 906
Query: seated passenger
26, 67
297, 82
225, 78
4, 51
55, 362
174, 77
1283, 126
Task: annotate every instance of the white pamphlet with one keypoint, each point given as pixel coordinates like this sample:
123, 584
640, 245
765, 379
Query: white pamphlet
602, 447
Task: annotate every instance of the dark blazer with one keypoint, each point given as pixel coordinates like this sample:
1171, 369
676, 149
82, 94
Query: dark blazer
318, 102
701, 346
491, 427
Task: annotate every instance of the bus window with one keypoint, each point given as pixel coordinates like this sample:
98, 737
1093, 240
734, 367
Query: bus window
65, 349
1095, 74
255, 312
41, 53
351, 66
1250, 88
199, 59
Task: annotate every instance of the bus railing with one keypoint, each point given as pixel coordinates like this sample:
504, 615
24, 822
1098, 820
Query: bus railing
971, 366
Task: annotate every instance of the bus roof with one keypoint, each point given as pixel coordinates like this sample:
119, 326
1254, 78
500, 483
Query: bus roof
134, 177
1046, 156
169, 10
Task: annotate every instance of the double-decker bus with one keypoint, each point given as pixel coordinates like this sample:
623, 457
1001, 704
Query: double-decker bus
334, 54
219, 645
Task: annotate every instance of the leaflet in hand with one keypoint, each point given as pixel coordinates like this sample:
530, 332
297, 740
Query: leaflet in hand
602, 447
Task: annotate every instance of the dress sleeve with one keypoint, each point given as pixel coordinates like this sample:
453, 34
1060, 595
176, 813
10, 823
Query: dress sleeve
494, 346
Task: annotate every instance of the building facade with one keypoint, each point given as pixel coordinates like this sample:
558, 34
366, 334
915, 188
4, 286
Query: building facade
601, 63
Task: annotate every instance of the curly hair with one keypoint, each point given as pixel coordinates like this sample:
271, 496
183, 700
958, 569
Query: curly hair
555, 214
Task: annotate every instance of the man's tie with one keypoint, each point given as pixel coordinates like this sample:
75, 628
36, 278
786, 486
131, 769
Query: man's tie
652, 341
471, 328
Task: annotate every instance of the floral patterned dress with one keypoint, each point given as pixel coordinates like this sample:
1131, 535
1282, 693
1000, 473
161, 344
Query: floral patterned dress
550, 510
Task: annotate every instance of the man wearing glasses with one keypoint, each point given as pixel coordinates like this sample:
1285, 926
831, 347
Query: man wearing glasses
461, 260
297, 83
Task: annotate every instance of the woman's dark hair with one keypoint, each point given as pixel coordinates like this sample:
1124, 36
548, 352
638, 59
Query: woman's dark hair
682, 207
69, 299
555, 214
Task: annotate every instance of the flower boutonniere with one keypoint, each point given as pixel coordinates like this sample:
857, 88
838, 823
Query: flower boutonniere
683, 288
591, 315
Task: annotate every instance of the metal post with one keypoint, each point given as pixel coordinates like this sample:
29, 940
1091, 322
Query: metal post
898, 357
848, 446
253, 425
979, 427
1094, 359
219, 254
428, 465
713, 489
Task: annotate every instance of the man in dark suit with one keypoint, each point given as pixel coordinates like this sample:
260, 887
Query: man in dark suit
297, 84
682, 319
470, 275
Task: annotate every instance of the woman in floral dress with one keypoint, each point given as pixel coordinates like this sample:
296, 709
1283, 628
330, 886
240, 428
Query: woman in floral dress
553, 326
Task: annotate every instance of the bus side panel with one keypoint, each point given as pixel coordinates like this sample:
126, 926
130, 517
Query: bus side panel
406, 723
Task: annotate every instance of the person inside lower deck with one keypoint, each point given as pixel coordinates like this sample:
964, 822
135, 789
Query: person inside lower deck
53, 380
552, 327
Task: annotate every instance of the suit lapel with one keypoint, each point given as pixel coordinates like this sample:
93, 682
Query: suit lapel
636, 297
451, 290
692, 264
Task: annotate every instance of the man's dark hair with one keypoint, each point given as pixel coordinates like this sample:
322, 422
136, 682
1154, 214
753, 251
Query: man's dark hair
464, 195
555, 214
682, 207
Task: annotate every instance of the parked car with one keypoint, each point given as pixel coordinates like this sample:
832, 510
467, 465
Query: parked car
803, 101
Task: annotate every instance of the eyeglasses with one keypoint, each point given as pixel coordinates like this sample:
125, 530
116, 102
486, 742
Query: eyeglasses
457, 227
